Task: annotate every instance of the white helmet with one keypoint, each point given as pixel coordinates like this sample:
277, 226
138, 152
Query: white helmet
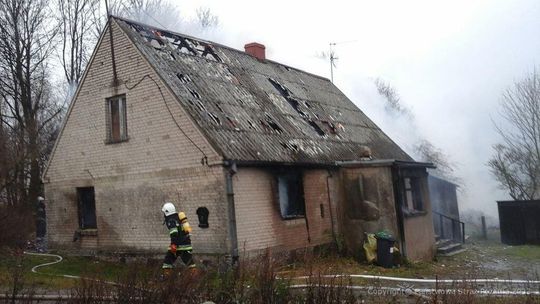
168, 208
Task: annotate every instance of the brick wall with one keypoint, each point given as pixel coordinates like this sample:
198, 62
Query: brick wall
419, 232
259, 222
378, 189
132, 178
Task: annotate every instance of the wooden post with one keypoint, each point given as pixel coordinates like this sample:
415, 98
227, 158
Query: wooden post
484, 230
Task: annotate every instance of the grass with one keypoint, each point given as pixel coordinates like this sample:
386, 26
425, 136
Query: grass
256, 281
49, 277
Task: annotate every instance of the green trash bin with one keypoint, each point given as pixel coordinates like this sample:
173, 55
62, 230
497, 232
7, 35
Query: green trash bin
385, 255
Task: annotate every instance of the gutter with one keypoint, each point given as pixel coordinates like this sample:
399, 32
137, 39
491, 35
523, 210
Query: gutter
230, 170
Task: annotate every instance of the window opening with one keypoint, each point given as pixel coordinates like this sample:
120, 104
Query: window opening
291, 195
117, 119
86, 208
322, 210
202, 214
412, 194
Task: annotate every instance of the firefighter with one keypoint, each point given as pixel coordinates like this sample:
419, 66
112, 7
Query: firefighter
179, 230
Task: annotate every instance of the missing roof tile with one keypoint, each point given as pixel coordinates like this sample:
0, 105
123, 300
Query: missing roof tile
316, 127
184, 78
231, 122
281, 88
290, 146
214, 118
296, 106
330, 126
273, 124
194, 93
220, 108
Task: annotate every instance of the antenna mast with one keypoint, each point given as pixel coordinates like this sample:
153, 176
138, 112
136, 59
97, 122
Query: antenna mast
332, 64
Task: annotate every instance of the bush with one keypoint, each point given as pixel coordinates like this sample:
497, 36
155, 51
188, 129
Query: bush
16, 226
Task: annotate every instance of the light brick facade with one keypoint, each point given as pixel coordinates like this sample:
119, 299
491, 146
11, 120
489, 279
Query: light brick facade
259, 221
132, 179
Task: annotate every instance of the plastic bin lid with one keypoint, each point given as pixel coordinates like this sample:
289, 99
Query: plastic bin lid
383, 235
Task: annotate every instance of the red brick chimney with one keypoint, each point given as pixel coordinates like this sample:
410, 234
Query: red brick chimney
256, 50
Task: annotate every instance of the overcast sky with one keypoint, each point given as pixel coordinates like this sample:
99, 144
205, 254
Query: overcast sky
449, 60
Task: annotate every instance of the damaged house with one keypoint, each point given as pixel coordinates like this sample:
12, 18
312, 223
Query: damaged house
256, 153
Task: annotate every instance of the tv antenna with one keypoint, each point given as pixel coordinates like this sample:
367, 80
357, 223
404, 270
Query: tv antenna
333, 58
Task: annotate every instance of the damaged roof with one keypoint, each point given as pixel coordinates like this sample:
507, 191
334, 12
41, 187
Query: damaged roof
258, 110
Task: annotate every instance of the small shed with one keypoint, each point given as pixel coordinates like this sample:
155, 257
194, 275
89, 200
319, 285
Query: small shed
519, 222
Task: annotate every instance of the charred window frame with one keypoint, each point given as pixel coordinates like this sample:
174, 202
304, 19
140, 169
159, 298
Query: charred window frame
413, 185
116, 119
290, 194
86, 208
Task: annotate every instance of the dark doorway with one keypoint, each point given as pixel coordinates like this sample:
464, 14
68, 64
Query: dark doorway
87, 208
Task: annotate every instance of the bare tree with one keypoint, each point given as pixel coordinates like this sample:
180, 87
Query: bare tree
76, 24
392, 97
206, 19
516, 162
26, 44
446, 169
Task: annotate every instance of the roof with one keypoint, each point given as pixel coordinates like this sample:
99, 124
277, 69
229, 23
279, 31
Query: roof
259, 110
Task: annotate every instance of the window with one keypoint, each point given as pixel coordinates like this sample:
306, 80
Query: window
116, 119
412, 194
202, 214
87, 208
291, 195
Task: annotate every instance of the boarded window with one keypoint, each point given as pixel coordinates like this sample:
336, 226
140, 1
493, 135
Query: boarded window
116, 119
87, 208
291, 195
413, 194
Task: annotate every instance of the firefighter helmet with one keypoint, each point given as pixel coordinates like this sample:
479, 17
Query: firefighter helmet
168, 208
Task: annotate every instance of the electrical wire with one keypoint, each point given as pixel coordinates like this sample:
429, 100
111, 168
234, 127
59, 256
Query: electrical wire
204, 160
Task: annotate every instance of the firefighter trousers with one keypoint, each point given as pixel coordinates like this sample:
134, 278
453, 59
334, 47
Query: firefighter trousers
185, 256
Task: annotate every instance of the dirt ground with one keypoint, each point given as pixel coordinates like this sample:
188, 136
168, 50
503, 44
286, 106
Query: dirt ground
492, 259
481, 259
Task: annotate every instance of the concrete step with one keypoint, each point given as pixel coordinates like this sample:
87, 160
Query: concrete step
443, 242
449, 247
451, 253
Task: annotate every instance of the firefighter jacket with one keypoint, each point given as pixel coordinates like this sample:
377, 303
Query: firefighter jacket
179, 231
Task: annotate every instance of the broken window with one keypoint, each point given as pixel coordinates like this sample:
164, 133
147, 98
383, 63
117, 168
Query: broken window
116, 119
291, 195
412, 198
86, 208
